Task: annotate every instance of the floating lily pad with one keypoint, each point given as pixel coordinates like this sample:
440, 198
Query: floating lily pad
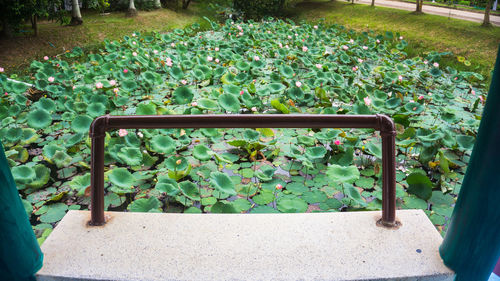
143, 205
229, 102
222, 183
183, 95
292, 204
162, 144
121, 177
342, 174
420, 185
39, 119
81, 124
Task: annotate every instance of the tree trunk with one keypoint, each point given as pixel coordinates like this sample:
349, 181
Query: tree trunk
185, 4
373, 3
6, 29
34, 24
131, 12
157, 4
420, 3
486, 21
76, 17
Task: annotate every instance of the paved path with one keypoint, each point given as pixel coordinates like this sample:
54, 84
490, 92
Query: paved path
458, 14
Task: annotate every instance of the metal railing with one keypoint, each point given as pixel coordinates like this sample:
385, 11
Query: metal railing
382, 123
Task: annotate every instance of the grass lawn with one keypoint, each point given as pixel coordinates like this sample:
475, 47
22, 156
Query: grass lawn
16, 54
423, 32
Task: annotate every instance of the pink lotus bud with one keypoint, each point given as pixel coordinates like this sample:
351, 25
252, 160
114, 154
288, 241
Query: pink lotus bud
279, 186
184, 82
436, 64
217, 49
112, 82
367, 101
420, 97
365, 48
134, 54
304, 49
46, 58
99, 85
51, 79
319, 66
298, 84
125, 70
315, 27
115, 90
337, 142
122, 132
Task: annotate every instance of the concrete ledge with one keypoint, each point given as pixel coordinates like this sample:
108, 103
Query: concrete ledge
314, 246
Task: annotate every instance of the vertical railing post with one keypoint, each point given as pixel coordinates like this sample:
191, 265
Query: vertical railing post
388, 134
97, 135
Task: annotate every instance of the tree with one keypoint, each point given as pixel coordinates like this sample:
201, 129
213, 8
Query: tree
131, 12
420, 3
486, 21
76, 17
185, 3
373, 3
157, 4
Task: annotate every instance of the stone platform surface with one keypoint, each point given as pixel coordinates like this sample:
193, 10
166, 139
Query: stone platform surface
313, 246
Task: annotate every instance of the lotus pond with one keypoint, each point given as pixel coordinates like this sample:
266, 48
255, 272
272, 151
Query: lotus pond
272, 67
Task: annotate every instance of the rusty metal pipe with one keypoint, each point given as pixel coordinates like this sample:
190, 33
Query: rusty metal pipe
382, 123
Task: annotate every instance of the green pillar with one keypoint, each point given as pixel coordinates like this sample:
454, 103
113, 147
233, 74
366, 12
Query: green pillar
20, 255
471, 246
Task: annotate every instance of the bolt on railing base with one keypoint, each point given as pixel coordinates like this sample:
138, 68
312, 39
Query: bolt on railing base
389, 224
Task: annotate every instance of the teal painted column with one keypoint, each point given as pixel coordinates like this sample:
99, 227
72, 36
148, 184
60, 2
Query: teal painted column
471, 246
20, 255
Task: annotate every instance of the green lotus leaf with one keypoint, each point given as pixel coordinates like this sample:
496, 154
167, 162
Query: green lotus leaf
232, 89
129, 85
316, 152
190, 190
241, 204
420, 185
51, 149
23, 174
96, 109
414, 107
353, 193
183, 95
435, 72
81, 124
276, 87
177, 73
130, 155
146, 109
13, 134
80, 183
39, 119
145, 205
251, 135
42, 177
71, 140
465, 142
202, 152
19, 88
229, 102
291, 204
430, 138
315, 196
330, 204
265, 173
121, 177
176, 163
222, 183
171, 189
151, 77
61, 159
29, 136
343, 174
339, 80
223, 208
205, 72
208, 104
393, 102
296, 93
287, 71
54, 213
263, 210
257, 64
243, 66
162, 144
208, 201
374, 148
47, 104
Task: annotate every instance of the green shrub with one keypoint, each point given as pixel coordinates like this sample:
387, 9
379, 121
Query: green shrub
257, 9
465, 3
